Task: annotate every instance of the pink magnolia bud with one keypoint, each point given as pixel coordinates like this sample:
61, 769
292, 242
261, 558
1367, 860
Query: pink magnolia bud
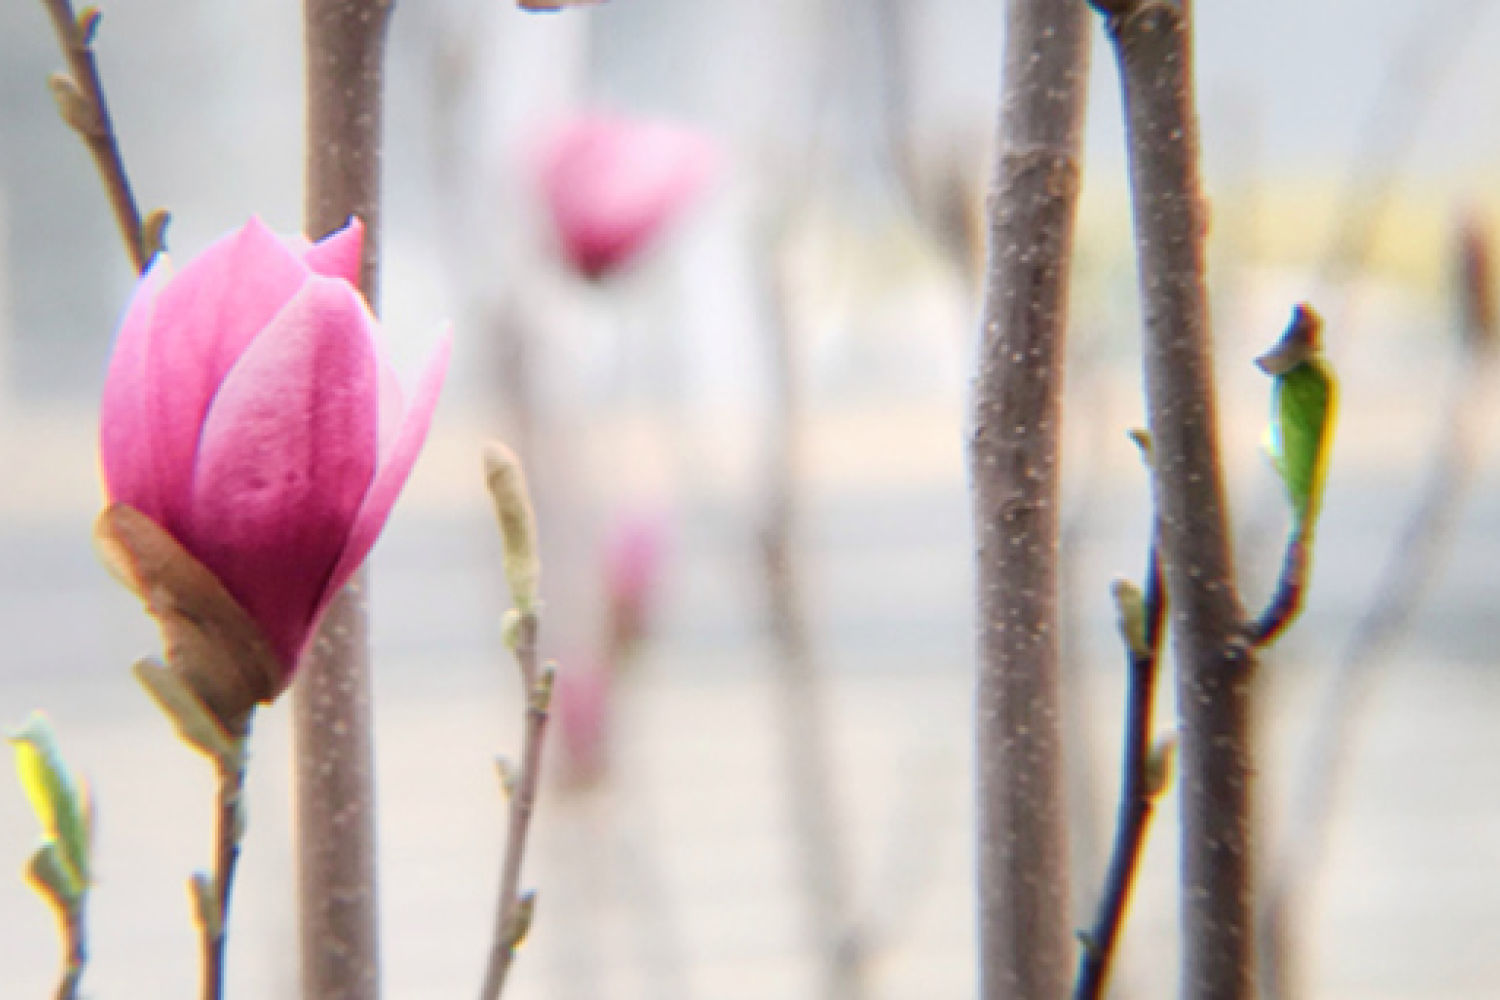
248, 412
581, 703
613, 184
633, 556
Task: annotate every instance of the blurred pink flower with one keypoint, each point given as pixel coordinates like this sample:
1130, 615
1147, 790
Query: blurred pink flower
633, 555
249, 413
612, 184
581, 706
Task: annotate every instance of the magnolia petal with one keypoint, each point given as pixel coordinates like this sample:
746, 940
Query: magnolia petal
613, 184
288, 453
392, 411
133, 466
394, 470
204, 319
338, 254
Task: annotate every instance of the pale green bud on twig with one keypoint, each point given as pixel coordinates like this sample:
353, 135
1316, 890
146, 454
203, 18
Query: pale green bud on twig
507, 485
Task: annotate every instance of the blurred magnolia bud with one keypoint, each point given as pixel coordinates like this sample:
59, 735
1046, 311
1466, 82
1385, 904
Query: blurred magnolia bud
581, 709
633, 555
1476, 289
613, 184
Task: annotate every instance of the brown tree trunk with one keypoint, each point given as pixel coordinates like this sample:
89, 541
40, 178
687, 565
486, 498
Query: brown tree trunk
332, 717
1025, 940
1152, 39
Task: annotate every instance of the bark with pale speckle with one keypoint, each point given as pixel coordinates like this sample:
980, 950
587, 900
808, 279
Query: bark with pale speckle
1152, 40
1026, 946
332, 712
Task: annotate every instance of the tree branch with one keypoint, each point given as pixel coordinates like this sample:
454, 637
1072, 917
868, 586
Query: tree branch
802, 706
80, 101
1024, 935
1153, 45
1138, 791
332, 714
228, 829
1408, 571
513, 909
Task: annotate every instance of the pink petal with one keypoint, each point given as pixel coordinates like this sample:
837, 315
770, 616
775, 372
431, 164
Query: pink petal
203, 320
392, 410
394, 470
338, 254
612, 184
287, 455
127, 448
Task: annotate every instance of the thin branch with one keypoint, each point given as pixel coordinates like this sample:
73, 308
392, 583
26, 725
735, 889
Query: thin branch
1408, 571
228, 830
1025, 944
332, 718
802, 705
80, 100
1137, 794
1286, 601
1152, 42
513, 909
76, 956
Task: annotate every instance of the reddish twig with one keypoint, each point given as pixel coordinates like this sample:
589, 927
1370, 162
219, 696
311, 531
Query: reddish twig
80, 100
1137, 794
514, 909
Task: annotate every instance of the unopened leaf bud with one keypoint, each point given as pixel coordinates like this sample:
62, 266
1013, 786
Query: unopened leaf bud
205, 896
519, 924
510, 778
88, 25
154, 231
1130, 611
53, 877
507, 485
1160, 765
1142, 439
74, 108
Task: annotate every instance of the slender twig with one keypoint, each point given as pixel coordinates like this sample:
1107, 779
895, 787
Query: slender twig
76, 956
1137, 796
1403, 581
1214, 664
802, 705
80, 98
1025, 941
1286, 601
513, 909
228, 830
332, 712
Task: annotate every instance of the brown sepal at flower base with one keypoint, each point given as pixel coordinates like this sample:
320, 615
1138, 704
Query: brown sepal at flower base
210, 642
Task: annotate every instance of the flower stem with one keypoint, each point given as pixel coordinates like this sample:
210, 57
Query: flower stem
512, 912
81, 100
228, 830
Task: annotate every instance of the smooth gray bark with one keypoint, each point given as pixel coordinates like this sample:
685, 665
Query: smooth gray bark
1025, 939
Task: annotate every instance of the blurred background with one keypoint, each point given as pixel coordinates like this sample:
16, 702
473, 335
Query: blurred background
746, 439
